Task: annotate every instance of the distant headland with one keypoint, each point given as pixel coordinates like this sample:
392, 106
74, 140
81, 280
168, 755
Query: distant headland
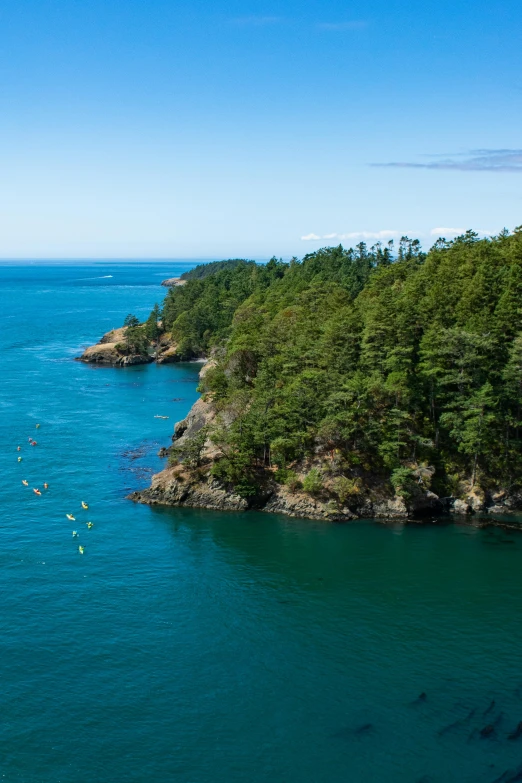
376, 381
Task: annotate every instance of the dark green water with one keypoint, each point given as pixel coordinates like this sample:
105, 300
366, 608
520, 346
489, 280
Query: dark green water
200, 647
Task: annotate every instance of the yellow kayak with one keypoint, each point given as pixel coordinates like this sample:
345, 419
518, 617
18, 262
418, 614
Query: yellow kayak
80, 549
84, 505
70, 516
89, 525
25, 483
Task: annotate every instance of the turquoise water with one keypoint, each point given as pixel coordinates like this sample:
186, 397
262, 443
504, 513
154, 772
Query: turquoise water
200, 647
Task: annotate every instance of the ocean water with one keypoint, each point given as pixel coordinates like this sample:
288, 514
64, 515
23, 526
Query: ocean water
201, 647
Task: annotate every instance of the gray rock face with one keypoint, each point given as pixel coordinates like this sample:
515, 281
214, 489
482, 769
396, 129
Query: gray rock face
504, 501
178, 486
171, 489
168, 490
460, 506
109, 355
108, 352
173, 281
395, 508
301, 505
201, 414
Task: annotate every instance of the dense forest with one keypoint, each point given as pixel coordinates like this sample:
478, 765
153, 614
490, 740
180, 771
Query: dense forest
388, 362
205, 270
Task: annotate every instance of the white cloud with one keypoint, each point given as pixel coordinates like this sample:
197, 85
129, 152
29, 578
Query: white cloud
385, 234
456, 232
360, 236
445, 232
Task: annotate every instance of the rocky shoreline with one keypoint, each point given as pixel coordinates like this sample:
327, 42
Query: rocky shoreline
172, 281
179, 485
111, 351
171, 487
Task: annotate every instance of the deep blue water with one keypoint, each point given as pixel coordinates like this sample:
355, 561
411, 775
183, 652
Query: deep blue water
199, 647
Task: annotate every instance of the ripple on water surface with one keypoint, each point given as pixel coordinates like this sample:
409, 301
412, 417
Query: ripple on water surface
196, 646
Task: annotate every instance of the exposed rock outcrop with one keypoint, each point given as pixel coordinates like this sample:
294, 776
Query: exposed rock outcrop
166, 350
477, 502
172, 281
504, 501
171, 487
108, 351
111, 350
175, 486
179, 485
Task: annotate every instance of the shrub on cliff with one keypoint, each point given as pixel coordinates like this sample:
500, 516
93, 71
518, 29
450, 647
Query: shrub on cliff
313, 482
380, 357
190, 453
346, 488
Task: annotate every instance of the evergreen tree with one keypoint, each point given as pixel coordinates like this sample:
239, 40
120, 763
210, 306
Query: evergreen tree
382, 364
152, 325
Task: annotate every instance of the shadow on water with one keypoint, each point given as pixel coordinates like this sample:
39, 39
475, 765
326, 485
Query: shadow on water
390, 612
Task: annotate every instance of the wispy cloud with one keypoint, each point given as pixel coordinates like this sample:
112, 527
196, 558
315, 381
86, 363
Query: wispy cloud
503, 160
385, 234
455, 232
340, 26
360, 235
256, 21
446, 232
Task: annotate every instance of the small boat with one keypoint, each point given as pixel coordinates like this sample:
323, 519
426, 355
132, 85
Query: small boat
70, 516
19, 459
37, 492
84, 505
25, 483
37, 426
161, 417
75, 533
80, 549
90, 524
34, 443
18, 448
46, 485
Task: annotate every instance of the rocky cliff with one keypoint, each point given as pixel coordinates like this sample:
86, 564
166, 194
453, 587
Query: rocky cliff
183, 485
111, 350
173, 281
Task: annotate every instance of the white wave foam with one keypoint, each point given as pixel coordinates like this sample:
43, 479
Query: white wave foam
103, 277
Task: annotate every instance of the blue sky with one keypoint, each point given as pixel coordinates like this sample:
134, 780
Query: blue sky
133, 128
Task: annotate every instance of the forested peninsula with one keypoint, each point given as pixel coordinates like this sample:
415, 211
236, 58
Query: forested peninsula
382, 381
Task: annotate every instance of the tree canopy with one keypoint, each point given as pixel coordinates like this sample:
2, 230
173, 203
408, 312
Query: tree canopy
384, 359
